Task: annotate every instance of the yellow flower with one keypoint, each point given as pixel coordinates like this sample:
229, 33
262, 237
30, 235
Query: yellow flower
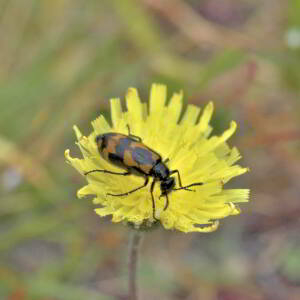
198, 156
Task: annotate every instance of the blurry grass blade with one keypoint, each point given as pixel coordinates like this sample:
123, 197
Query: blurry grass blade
39, 288
31, 226
35, 173
142, 30
198, 29
294, 12
223, 61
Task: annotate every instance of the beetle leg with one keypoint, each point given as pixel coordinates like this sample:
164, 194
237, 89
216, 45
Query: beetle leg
108, 172
166, 160
180, 184
167, 202
137, 138
153, 202
187, 187
132, 191
179, 179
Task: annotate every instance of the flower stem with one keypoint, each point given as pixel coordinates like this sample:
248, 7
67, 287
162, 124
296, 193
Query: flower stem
132, 264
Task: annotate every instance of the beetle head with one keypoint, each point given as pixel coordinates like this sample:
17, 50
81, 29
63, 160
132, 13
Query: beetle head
167, 185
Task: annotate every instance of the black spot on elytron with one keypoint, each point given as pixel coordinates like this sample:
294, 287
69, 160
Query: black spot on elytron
98, 138
142, 156
102, 139
115, 158
122, 146
107, 136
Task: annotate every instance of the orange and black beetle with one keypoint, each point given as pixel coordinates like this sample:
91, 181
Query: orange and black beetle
129, 153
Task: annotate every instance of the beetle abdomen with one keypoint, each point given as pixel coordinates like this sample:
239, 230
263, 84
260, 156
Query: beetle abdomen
126, 152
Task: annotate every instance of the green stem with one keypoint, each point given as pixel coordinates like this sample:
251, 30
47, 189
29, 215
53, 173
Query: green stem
135, 242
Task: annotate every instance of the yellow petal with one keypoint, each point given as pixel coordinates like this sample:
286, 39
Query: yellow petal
86, 190
205, 118
134, 105
77, 132
191, 115
135, 111
77, 163
100, 125
158, 96
213, 227
116, 111
175, 106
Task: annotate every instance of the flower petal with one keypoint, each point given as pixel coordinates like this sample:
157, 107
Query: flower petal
135, 111
175, 106
134, 105
205, 118
190, 116
158, 96
116, 111
100, 125
86, 190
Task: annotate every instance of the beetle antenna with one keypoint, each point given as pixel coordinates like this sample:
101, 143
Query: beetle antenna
187, 187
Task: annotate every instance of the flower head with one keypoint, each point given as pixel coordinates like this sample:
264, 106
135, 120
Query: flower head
190, 149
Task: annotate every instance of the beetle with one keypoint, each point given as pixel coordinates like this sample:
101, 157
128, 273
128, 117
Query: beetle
132, 155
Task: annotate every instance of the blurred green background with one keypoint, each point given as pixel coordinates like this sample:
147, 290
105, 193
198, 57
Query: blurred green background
60, 62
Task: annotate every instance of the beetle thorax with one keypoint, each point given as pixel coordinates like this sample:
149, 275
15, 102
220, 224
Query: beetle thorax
160, 171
